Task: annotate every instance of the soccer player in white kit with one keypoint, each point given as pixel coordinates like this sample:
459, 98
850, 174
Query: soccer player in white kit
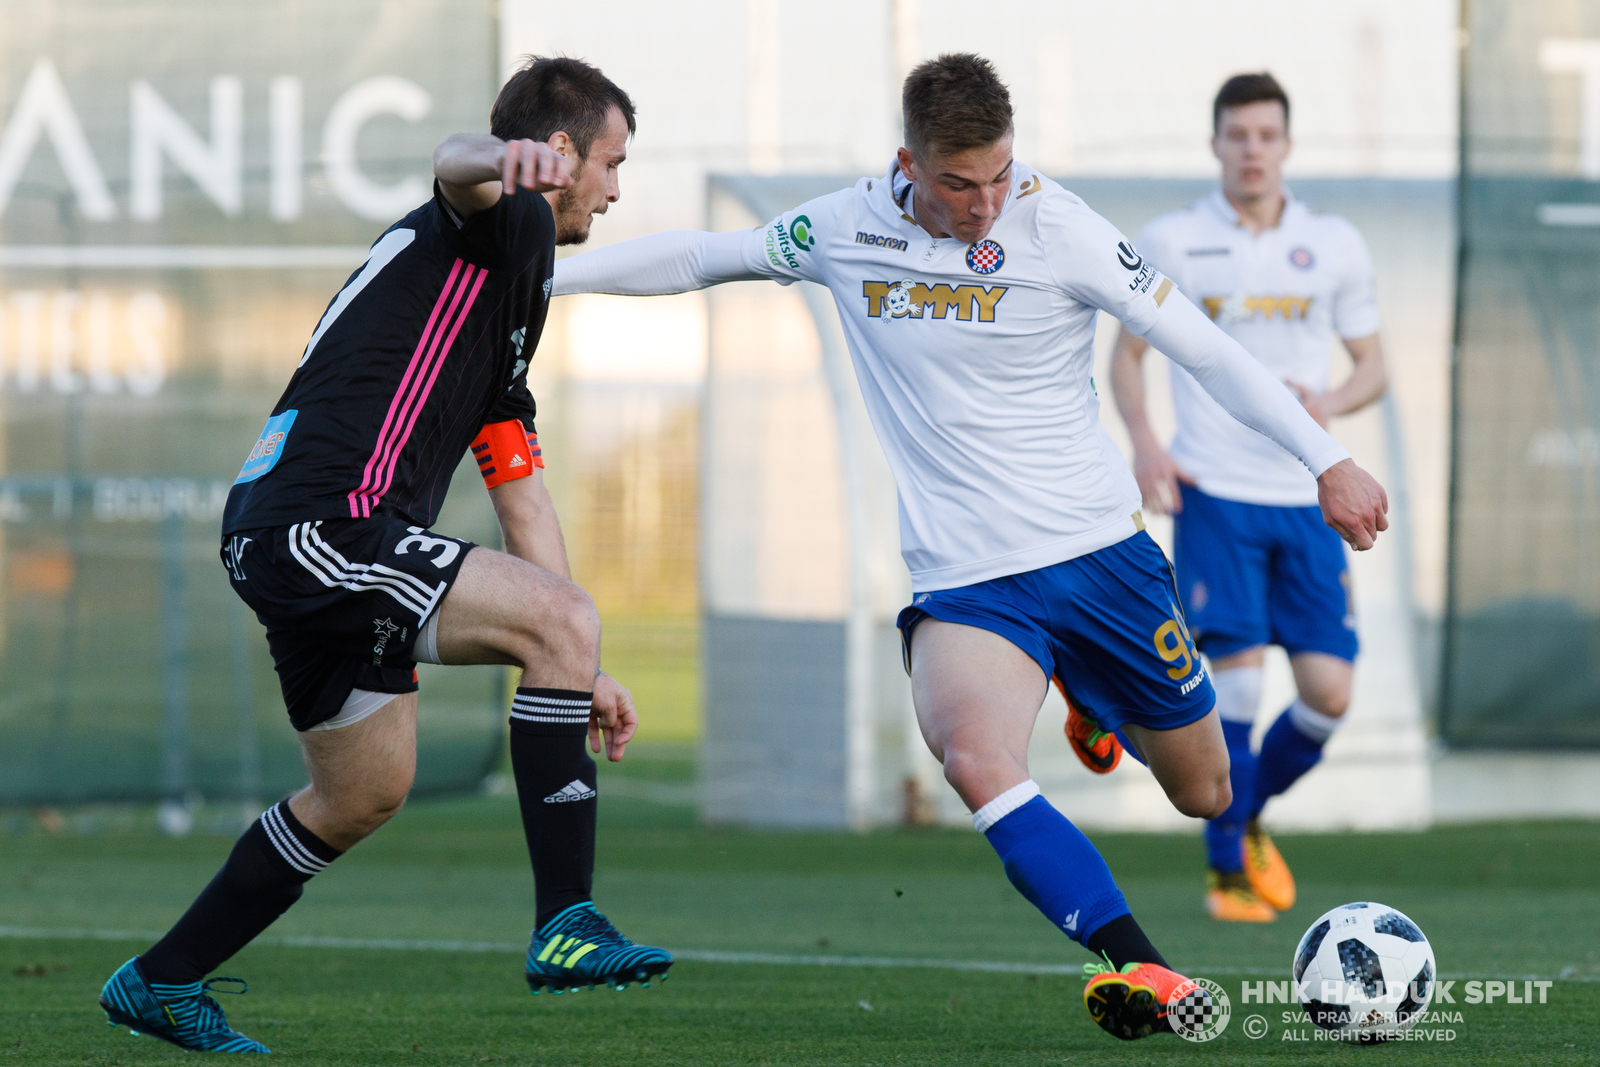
1255, 563
968, 287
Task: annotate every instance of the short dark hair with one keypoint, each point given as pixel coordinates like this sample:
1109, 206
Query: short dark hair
550, 93
954, 103
1242, 89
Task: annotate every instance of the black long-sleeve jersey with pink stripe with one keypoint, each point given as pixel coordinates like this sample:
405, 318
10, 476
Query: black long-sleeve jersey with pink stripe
426, 343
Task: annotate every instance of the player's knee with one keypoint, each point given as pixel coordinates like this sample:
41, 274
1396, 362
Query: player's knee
1205, 798
973, 772
583, 618
1221, 796
358, 813
567, 630
962, 768
579, 622
377, 807
1331, 700
386, 805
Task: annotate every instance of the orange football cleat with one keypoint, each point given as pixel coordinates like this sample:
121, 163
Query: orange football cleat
1132, 1003
1096, 749
1263, 863
1230, 899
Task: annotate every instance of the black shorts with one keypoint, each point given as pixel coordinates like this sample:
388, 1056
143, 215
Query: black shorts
343, 601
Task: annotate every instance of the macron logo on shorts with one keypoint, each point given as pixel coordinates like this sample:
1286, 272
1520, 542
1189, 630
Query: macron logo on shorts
572, 791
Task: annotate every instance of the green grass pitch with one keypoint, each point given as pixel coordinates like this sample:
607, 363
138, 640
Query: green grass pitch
1496, 901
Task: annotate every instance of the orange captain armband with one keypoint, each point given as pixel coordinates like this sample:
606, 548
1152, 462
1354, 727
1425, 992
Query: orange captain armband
506, 450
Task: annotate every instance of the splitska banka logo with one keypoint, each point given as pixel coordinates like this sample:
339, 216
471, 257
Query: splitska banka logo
784, 242
911, 299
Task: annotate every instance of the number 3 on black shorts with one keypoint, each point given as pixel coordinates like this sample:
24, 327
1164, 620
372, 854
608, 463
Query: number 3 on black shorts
426, 545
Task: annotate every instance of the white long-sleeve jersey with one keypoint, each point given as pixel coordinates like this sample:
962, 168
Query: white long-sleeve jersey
1282, 294
974, 360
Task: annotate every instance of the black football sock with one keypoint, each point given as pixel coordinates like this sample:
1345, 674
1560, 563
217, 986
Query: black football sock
1122, 941
265, 873
556, 789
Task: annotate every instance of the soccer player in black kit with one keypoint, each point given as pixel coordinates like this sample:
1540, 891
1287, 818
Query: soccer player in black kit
422, 355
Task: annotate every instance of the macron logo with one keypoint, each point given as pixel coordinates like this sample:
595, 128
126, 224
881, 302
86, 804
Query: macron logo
1070, 923
517, 461
572, 791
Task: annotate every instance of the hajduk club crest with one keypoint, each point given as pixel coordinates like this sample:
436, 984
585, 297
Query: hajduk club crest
985, 257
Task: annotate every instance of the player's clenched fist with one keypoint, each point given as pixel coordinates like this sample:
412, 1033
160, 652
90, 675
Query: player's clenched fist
534, 165
1353, 503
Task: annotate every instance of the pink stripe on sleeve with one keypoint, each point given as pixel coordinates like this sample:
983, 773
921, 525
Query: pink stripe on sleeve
438, 364
357, 496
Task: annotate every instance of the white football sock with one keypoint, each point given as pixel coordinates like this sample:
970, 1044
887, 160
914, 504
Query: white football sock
1004, 805
1238, 693
1313, 724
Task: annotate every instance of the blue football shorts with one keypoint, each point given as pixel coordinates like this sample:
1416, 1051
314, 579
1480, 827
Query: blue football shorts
1108, 624
1257, 574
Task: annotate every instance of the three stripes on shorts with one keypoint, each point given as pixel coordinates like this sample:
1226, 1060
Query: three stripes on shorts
330, 568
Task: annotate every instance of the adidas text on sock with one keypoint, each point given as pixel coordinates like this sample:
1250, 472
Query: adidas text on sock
556, 793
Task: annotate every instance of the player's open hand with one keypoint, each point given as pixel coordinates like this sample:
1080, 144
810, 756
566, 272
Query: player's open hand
613, 716
1353, 503
1158, 475
534, 165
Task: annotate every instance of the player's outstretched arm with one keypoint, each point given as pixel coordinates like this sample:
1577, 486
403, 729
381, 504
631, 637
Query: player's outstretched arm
1157, 472
678, 261
1353, 503
476, 169
681, 261
532, 531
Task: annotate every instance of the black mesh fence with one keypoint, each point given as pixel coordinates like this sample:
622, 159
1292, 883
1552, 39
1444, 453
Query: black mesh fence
183, 187
1522, 636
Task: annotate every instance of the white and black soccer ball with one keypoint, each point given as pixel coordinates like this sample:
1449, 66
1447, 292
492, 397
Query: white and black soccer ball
1365, 972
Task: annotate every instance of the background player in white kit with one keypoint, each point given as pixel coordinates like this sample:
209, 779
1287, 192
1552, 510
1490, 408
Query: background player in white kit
968, 287
1255, 563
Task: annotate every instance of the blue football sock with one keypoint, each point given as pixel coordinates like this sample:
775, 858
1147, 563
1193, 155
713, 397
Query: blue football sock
1292, 747
1225, 833
1052, 863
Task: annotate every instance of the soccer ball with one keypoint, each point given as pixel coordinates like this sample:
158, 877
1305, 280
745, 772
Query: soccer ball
1364, 972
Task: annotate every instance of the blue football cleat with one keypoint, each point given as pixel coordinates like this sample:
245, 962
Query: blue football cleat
182, 1014
580, 948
